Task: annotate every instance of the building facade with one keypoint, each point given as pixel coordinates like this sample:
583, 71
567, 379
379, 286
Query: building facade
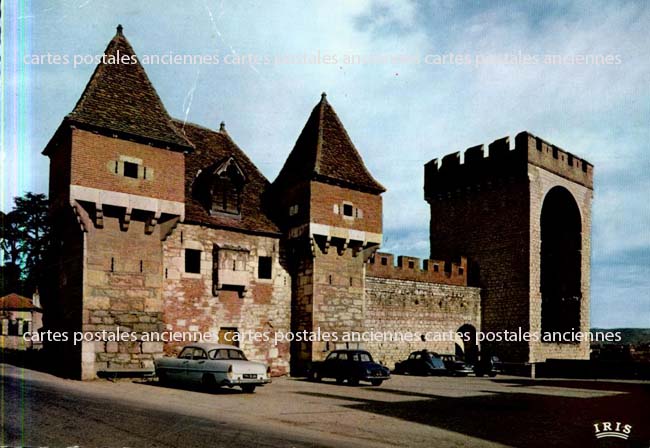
165, 226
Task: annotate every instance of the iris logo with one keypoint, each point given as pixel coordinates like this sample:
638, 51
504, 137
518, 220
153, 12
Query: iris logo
612, 429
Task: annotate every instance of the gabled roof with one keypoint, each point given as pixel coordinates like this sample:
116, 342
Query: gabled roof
15, 302
120, 98
213, 150
324, 151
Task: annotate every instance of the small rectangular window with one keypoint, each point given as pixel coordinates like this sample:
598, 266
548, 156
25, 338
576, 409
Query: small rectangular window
264, 267
347, 209
384, 261
131, 170
192, 261
436, 268
411, 265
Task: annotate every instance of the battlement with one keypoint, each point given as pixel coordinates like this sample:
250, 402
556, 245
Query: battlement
382, 265
502, 161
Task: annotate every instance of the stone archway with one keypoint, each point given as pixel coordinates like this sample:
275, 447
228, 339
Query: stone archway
560, 261
467, 346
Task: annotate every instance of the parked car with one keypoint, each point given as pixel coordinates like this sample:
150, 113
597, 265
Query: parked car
213, 365
456, 367
422, 362
351, 366
488, 365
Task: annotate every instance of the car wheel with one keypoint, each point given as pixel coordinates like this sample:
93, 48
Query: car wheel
315, 376
162, 378
208, 382
492, 374
479, 374
376, 382
353, 381
248, 388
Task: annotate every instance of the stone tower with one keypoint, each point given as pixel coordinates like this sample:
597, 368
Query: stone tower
117, 190
330, 208
523, 217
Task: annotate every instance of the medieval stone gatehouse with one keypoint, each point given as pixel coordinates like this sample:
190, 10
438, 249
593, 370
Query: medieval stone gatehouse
167, 226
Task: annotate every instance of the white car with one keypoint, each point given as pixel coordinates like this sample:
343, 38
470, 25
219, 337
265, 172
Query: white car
213, 365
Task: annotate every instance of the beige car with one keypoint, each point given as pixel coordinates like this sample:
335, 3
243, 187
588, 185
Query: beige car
213, 365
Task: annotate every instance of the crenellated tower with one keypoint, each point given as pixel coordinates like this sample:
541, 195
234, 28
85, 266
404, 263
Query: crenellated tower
117, 190
330, 209
522, 216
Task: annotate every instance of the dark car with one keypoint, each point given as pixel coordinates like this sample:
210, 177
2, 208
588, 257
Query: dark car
488, 365
422, 362
456, 367
351, 366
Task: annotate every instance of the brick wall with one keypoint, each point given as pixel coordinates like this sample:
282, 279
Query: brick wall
325, 196
93, 161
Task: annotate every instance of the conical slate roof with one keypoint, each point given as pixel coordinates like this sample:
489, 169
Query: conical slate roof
119, 97
325, 152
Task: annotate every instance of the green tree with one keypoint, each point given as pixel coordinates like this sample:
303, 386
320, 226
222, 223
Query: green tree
24, 240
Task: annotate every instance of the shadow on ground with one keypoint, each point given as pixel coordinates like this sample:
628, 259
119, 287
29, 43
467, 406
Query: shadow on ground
193, 387
517, 418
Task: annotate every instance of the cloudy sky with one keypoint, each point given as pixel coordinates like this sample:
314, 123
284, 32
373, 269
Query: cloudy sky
401, 106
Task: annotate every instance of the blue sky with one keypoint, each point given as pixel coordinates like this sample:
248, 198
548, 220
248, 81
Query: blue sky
400, 115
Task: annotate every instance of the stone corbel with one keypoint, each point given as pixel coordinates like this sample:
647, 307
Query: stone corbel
343, 247
99, 216
357, 250
369, 251
82, 216
151, 223
167, 227
328, 242
126, 219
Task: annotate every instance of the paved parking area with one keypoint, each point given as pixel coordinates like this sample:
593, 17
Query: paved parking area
42, 410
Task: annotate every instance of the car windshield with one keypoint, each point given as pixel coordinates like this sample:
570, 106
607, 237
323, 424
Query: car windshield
227, 353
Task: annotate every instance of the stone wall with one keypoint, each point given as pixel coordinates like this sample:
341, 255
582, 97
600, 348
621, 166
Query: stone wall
122, 288
395, 305
488, 208
541, 181
412, 268
190, 302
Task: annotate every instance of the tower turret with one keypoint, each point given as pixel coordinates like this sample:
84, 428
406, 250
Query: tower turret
330, 208
117, 189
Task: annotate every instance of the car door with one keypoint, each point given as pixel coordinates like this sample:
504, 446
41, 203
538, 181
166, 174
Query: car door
328, 368
178, 370
196, 366
342, 366
408, 363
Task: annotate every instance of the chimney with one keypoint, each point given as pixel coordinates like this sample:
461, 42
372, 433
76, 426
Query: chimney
36, 299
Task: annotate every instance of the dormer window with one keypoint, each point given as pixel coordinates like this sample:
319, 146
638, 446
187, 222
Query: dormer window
227, 187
